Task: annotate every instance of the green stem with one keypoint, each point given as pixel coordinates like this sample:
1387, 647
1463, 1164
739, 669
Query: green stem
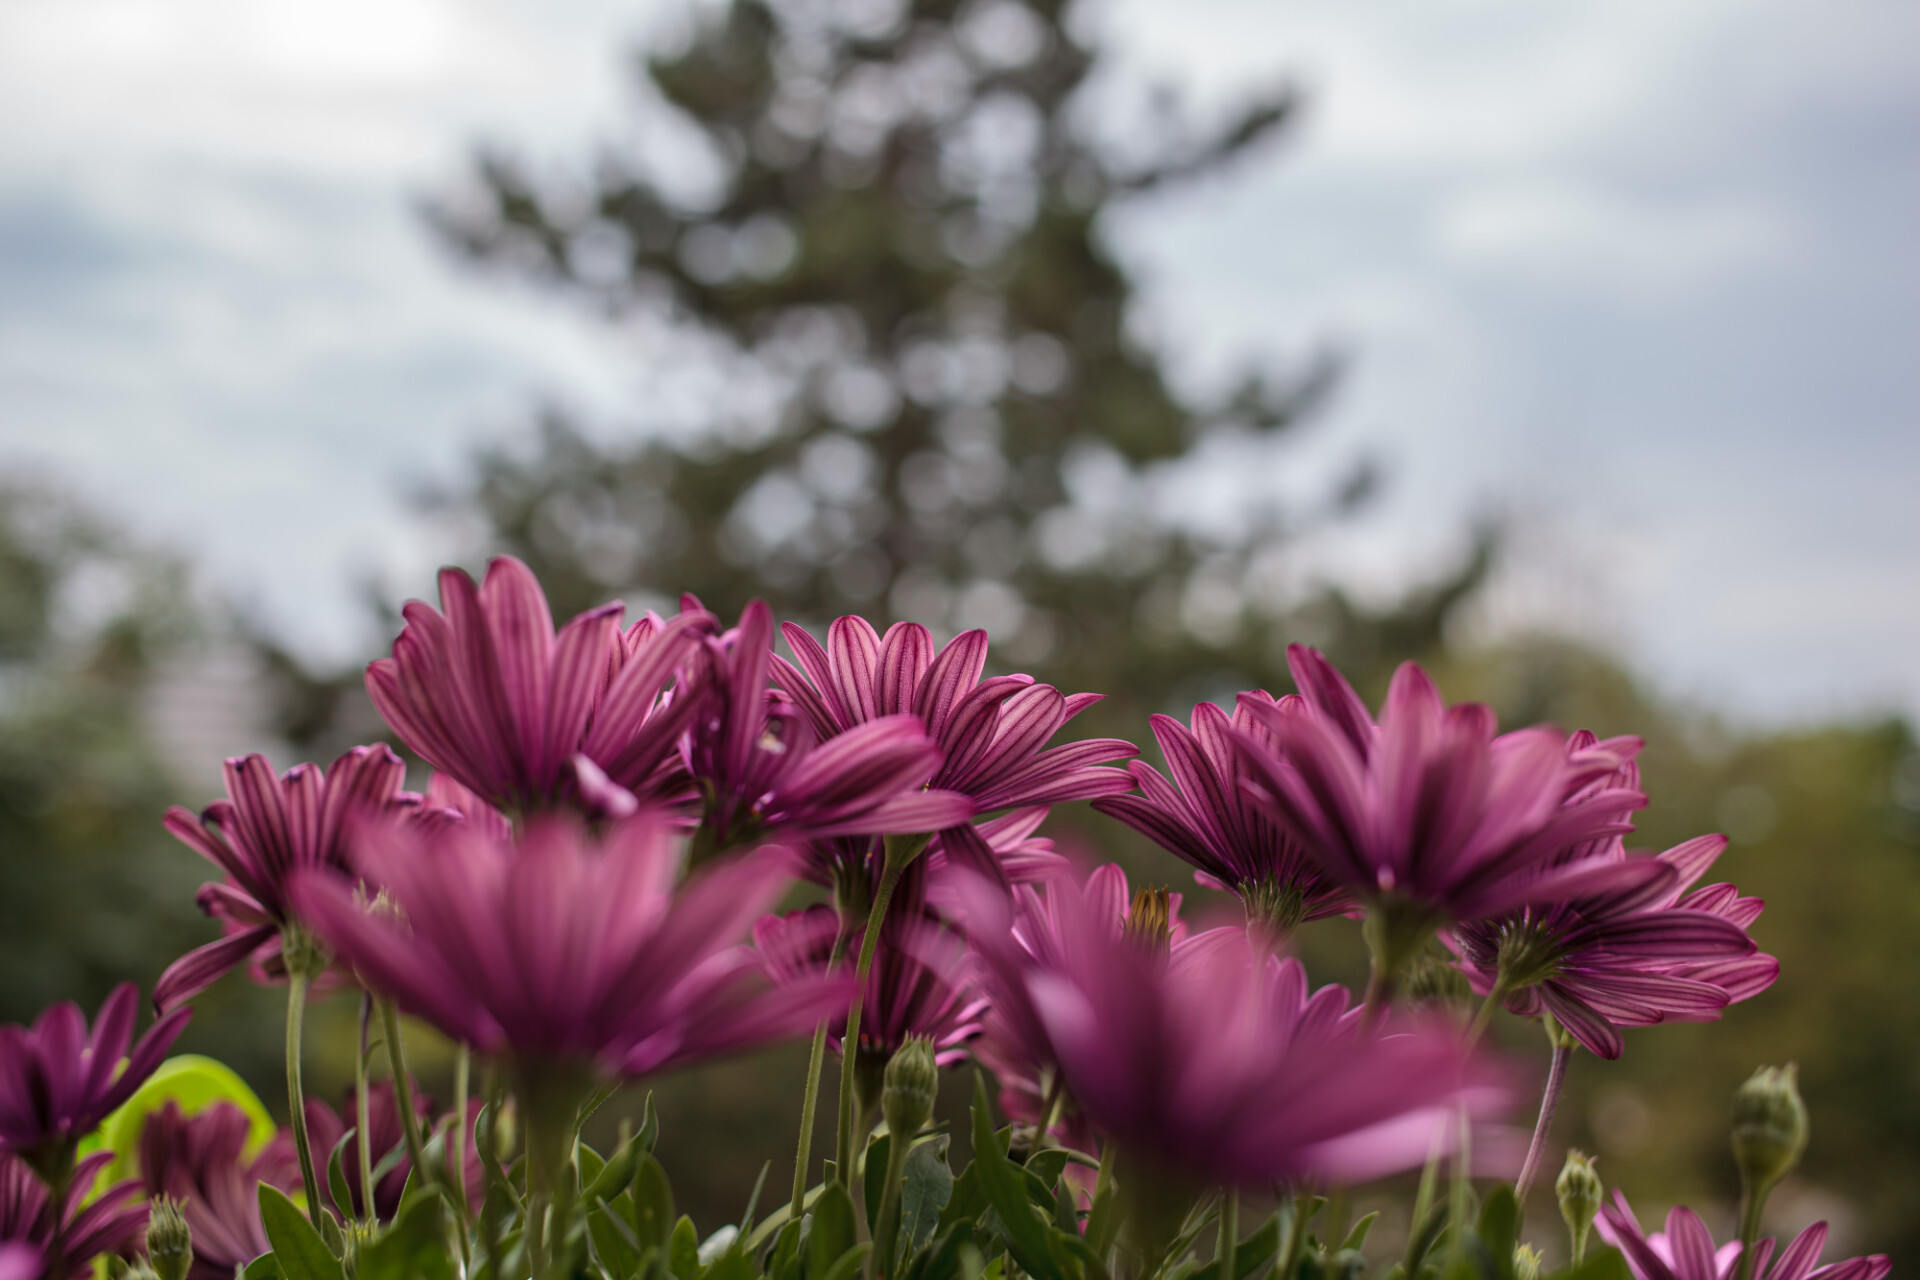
809, 1105
489, 1218
1460, 1208
403, 1089
362, 1108
850, 1040
1423, 1198
886, 1226
457, 1177
1229, 1234
1296, 1237
1103, 1223
1549, 1101
1502, 987
296, 1096
1752, 1203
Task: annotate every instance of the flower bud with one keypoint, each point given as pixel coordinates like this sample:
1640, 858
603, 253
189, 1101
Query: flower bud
906, 1096
1769, 1127
1579, 1192
1526, 1262
169, 1240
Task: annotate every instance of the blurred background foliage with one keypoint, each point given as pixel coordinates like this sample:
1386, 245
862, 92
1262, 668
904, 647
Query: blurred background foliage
943, 413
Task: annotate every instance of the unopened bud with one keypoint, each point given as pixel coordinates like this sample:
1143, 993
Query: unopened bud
1149, 922
1579, 1192
169, 1240
1347, 1264
906, 1097
1526, 1262
1769, 1127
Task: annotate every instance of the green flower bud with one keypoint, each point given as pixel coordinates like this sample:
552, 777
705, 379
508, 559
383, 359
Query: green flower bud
1579, 1192
906, 1096
1769, 1127
169, 1240
1347, 1264
1526, 1262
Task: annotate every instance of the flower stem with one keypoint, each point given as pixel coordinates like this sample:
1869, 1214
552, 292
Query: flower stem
402, 1088
1229, 1233
803, 1159
1556, 1078
296, 1096
886, 1226
362, 1108
1483, 1016
1751, 1205
462, 1082
850, 1039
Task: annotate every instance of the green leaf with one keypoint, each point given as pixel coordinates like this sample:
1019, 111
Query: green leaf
649, 1127
1357, 1238
196, 1083
683, 1250
614, 1243
652, 1206
264, 1267
1005, 1187
413, 1248
302, 1254
928, 1188
878, 1149
966, 1203
337, 1177
832, 1232
1252, 1254
613, 1175
1603, 1264
1048, 1165
1500, 1228
849, 1263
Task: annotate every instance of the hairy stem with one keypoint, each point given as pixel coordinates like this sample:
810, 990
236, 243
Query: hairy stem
403, 1088
886, 1226
362, 1108
803, 1159
1502, 987
1550, 1099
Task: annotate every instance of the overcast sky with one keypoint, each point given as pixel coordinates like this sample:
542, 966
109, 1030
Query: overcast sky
1641, 273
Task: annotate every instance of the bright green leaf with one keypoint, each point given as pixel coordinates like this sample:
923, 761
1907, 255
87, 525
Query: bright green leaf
301, 1252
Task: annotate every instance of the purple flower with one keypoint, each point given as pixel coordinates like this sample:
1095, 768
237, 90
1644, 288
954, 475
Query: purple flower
57, 1082
1685, 1251
107, 1224
1210, 822
1633, 955
763, 767
921, 981
267, 830
1429, 813
990, 733
566, 949
1212, 1063
201, 1161
488, 694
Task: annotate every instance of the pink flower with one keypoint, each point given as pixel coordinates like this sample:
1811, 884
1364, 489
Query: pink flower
107, 1224
567, 949
1210, 822
1430, 809
1685, 1251
763, 768
200, 1161
326, 1127
268, 829
488, 694
1634, 955
57, 1082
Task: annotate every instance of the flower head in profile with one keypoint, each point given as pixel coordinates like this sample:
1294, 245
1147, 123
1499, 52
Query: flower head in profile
327, 1128
1631, 955
992, 733
1685, 1251
268, 829
1205, 818
764, 768
1430, 812
90, 1224
566, 948
58, 1080
1212, 1063
921, 984
487, 692
202, 1162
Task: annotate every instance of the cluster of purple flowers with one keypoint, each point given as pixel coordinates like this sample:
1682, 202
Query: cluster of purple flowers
580, 897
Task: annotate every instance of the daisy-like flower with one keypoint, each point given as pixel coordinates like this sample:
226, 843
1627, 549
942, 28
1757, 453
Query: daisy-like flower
58, 1081
1630, 956
107, 1223
920, 984
490, 695
764, 769
265, 831
573, 958
1214, 1065
1205, 818
1430, 817
992, 733
201, 1161
326, 1127
1685, 1251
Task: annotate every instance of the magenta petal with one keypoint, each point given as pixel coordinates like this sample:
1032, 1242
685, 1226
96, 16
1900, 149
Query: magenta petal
200, 968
